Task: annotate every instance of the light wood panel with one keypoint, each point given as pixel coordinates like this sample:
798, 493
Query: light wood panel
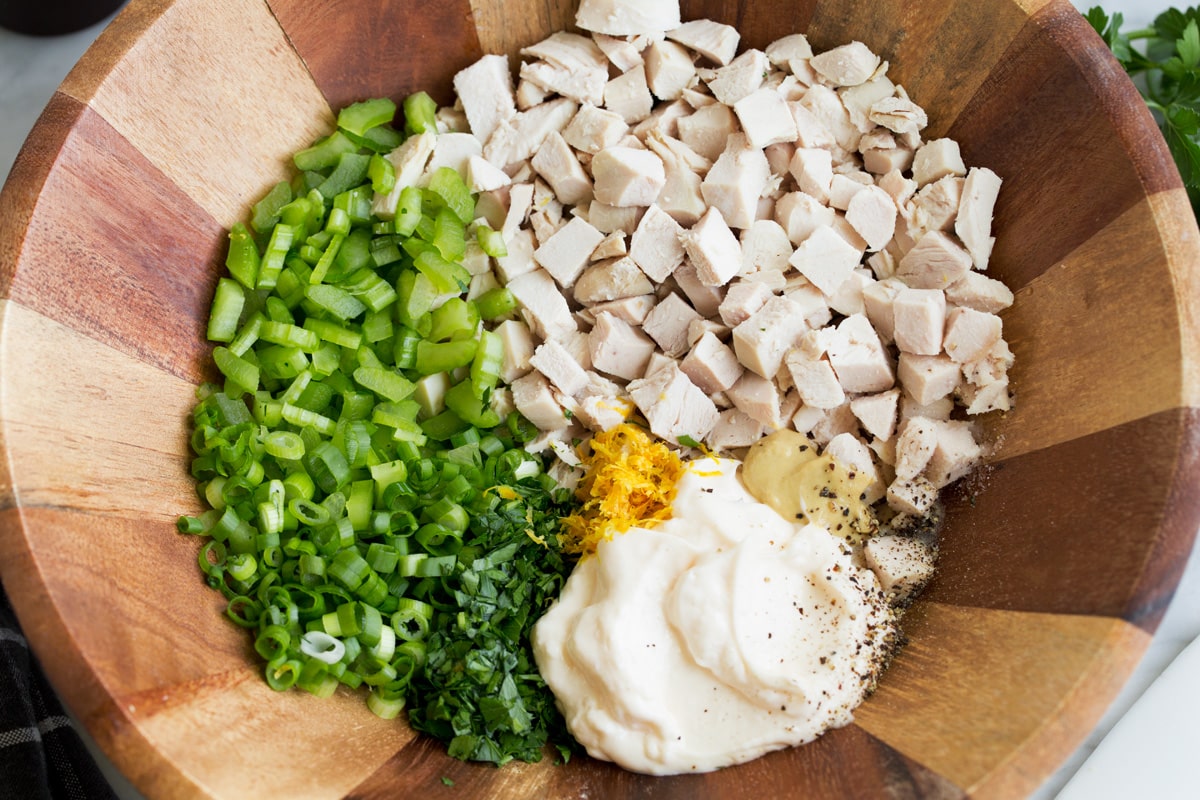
1058, 560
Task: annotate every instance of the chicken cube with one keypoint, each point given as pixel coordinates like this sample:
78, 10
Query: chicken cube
928, 378
611, 280
627, 17
765, 247
847, 65
850, 451
914, 447
955, 454
899, 114
673, 405
935, 262
618, 348
742, 299
518, 348
762, 340
486, 91
627, 177
740, 77
848, 299
920, 316
814, 378
974, 222
558, 166
765, 118
872, 214
667, 324
408, 160
812, 167
592, 129
970, 334
610, 219
858, 357
518, 138
978, 291
800, 214
543, 304
902, 564
711, 365
795, 47
628, 95
519, 258
826, 259
715, 41
669, 69
553, 360
704, 298
655, 245
760, 399
620, 52
713, 249
631, 309
877, 413
937, 159
565, 254
533, 398
734, 429
736, 181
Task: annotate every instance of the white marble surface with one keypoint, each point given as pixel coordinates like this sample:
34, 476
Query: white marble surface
31, 69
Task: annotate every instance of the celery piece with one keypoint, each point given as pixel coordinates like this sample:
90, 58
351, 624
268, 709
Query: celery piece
444, 356
325, 152
496, 303
454, 319
358, 118
420, 113
243, 259
282, 237
380, 139
382, 174
335, 301
356, 203
448, 185
355, 252
228, 302
485, 368
491, 241
416, 295
351, 170
266, 210
408, 211
462, 401
449, 235
321, 268
446, 276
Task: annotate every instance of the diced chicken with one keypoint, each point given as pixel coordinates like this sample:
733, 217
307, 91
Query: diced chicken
475, 260
628, 95
970, 334
576, 345
619, 51
592, 129
711, 365
602, 412
518, 138
882, 160
707, 130
713, 40
848, 299
847, 65
858, 357
955, 454
882, 265
859, 99
408, 160
627, 17
554, 361
928, 378
534, 399
573, 66
713, 249
680, 196
978, 291
813, 376
736, 181
783, 52
760, 399
812, 167
558, 166
609, 219
486, 91
801, 214
877, 413
900, 188
627, 177
742, 300
565, 254
993, 366
939, 409
844, 186
673, 405
518, 347
663, 120
974, 223
452, 150
611, 246
483, 176
920, 317
669, 69
655, 245
520, 199
914, 447
935, 262
659, 360
529, 94
668, 147
618, 348
899, 114
825, 259
810, 300
633, 310
765, 118
936, 159
734, 429
872, 214
740, 77
519, 258
765, 247
982, 399
667, 324
762, 340
903, 565
850, 451
826, 109
704, 298
611, 280
546, 309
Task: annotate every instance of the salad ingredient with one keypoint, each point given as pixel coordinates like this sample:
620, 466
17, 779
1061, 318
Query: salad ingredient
714, 637
374, 518
1165, 67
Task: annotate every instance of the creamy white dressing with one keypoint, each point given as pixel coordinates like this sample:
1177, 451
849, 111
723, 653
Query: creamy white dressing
721, 634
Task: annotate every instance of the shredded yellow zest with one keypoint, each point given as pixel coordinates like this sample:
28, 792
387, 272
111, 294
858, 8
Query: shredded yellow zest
629, 479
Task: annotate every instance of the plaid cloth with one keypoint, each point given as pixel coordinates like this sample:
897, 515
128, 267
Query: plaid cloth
41, 755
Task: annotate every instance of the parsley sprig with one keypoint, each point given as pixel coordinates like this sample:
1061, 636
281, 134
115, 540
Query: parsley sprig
1164, 61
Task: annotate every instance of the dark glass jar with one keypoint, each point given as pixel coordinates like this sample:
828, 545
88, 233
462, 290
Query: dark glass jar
53, 17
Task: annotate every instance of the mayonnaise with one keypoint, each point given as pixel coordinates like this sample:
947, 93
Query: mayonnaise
722, 634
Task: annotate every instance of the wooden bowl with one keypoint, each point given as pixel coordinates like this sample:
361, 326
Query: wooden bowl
1059, 558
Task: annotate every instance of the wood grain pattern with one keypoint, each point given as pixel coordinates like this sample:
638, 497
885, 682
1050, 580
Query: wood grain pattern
221, 139
380, 50
978, 658
1058, 560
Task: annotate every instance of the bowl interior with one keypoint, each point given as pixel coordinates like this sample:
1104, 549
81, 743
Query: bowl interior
1058, 558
